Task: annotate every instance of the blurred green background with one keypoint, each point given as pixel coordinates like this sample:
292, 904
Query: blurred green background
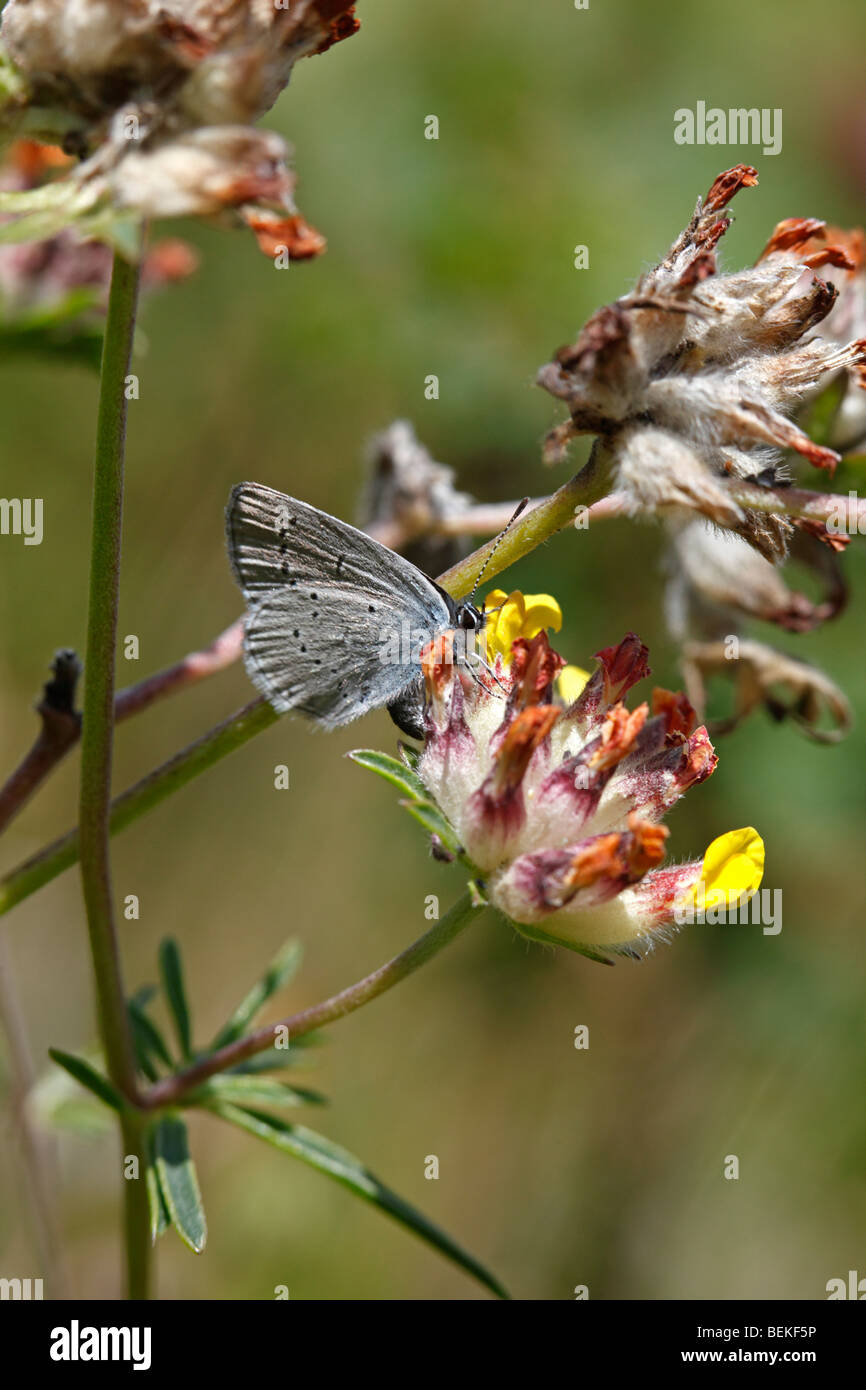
558, 1167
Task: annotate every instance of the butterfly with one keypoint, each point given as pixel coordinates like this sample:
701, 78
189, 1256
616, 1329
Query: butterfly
335, 621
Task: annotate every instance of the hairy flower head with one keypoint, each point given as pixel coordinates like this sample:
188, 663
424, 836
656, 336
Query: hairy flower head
61, 282
559, 803
693, 379
158, 98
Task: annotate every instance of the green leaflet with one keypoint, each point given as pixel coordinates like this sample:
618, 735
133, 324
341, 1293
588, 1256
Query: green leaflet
281, 969
394, 771
432, 819
538, 935
160, 1220
419, 805
171, 972
343, 1167
256, 1090
84, 1073
178, 1182
59, 1101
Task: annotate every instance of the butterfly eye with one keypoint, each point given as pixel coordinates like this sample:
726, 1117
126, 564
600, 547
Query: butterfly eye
469, 618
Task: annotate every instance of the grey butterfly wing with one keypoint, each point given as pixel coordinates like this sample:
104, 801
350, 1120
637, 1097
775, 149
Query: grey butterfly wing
334, 616
276, 540
333, 670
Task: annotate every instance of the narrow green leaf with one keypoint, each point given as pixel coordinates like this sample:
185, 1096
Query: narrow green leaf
171, 972
57, 1100
178, 1182
279, 972
148, 1039
432, 819
343, 1167
257, 1090
87, 1076
538, 935
392, 770
160, 1218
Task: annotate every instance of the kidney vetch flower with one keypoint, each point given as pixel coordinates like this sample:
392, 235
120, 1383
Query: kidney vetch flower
558, 802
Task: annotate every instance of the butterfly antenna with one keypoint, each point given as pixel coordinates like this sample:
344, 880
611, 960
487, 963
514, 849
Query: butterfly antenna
502, 534
477, 657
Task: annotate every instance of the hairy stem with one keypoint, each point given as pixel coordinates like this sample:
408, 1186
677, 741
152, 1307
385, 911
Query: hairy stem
136, 1207
531, 529
491, 519
98, 713
97, 739
173, 1088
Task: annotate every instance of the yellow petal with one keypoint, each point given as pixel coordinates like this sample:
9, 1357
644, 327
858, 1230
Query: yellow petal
506, 624
495, 599
542, 611
570, 683
733, 866
517, 615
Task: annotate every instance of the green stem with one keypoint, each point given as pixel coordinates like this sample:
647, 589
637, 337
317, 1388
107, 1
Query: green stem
136, 1208
174, 1088
97, 736
47, 863
98, 713
551, 515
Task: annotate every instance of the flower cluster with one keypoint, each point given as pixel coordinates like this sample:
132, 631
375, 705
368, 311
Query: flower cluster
846, 427
558, 802
159, 98
65, 272
693, 379
699, 380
